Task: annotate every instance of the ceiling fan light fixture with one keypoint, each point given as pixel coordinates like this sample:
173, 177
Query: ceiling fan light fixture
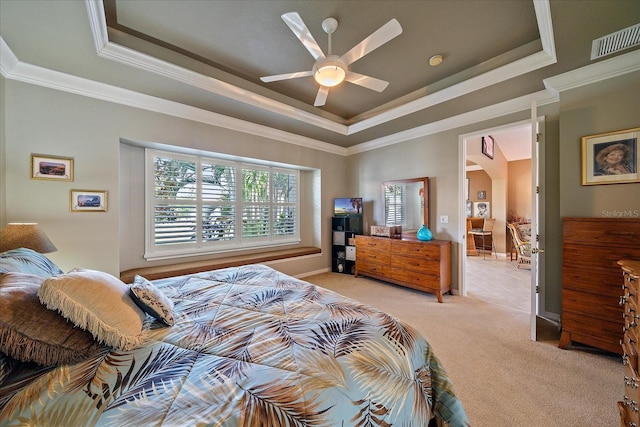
329, 72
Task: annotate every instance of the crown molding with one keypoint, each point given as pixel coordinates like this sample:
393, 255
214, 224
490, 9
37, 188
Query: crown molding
515, 105
593, 73
117, 53
114, 52
13, 69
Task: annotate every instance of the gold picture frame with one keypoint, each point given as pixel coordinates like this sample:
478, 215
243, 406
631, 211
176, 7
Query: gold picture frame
611, 158
53, 168
88, 200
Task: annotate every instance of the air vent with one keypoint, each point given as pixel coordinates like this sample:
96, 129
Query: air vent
616, 42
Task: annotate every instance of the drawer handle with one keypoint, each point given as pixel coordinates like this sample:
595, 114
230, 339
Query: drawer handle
630, 382
632, 404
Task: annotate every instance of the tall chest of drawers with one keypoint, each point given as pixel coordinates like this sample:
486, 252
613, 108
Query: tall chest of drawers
631, 332
591, 249
422, 265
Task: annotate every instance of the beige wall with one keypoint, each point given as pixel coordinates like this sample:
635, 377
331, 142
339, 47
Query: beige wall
46, 121
519, 189
598, 108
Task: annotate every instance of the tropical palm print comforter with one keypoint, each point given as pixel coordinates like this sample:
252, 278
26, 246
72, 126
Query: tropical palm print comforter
250, 347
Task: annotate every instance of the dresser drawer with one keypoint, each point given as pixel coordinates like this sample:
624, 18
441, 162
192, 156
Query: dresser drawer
364, 267
364, 243
593, 332
422, 250
601, 282
595, 306
617, 232
373, 256
415, 278
599, 258
419, 265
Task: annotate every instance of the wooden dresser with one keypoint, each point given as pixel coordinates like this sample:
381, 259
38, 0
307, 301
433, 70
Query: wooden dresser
630, 302
591, 279
422, 265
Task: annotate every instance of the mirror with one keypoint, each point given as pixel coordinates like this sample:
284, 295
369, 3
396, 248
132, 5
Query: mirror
406, 203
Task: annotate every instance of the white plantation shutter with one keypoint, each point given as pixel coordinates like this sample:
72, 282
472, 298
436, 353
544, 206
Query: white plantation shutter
194, 205
285, 203
174, 213
395, 204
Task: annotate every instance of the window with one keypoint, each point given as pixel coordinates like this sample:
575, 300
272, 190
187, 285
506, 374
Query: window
202, 204
395, 204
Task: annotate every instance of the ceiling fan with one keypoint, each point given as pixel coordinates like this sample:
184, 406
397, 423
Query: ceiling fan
331, 70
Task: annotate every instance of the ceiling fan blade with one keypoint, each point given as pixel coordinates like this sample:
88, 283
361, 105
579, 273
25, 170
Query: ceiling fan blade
379, 37
297, 25
366, 81
286, 76
321, 98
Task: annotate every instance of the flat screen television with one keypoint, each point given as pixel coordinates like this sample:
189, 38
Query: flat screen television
347, 206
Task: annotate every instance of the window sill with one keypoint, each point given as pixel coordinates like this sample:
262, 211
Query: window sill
180, 269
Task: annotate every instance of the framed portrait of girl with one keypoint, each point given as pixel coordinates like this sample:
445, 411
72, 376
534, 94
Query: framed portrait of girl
611, 158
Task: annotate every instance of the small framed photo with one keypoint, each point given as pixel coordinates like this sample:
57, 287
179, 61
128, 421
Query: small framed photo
487, 146
53, 168
469, 208
482, 194
611, 158
482, 209
88, 201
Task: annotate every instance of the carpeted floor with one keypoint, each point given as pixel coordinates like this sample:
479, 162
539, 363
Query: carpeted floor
502, 377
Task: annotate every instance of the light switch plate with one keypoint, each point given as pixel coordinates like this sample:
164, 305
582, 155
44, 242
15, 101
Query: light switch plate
444, 219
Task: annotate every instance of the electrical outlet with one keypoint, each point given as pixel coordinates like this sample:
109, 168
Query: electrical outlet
444, 219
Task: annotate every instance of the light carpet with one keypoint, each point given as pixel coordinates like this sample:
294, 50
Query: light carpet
502, 377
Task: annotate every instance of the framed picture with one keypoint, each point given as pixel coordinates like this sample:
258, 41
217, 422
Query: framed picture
53, 168
611, 158
469, 208
88, 201
482, 194
487, 146
481, 209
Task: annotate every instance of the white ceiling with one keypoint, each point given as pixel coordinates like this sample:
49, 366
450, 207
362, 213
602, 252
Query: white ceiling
514, 143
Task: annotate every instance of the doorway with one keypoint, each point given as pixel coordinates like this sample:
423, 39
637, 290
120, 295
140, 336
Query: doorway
503, 182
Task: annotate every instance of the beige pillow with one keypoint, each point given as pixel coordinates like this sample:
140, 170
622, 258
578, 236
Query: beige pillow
97, 302
29, 332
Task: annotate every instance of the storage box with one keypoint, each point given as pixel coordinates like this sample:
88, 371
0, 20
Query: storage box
386, 230
350, 253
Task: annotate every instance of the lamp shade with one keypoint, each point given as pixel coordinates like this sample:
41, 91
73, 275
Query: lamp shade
25, 235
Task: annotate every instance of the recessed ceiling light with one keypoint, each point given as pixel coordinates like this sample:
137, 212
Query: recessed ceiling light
435, 60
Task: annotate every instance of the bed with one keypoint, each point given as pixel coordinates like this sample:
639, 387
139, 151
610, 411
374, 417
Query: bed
247, 346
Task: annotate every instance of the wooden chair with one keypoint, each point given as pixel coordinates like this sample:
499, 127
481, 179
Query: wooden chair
486, 230
522, 246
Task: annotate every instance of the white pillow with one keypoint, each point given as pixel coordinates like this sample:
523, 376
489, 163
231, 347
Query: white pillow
97, 302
